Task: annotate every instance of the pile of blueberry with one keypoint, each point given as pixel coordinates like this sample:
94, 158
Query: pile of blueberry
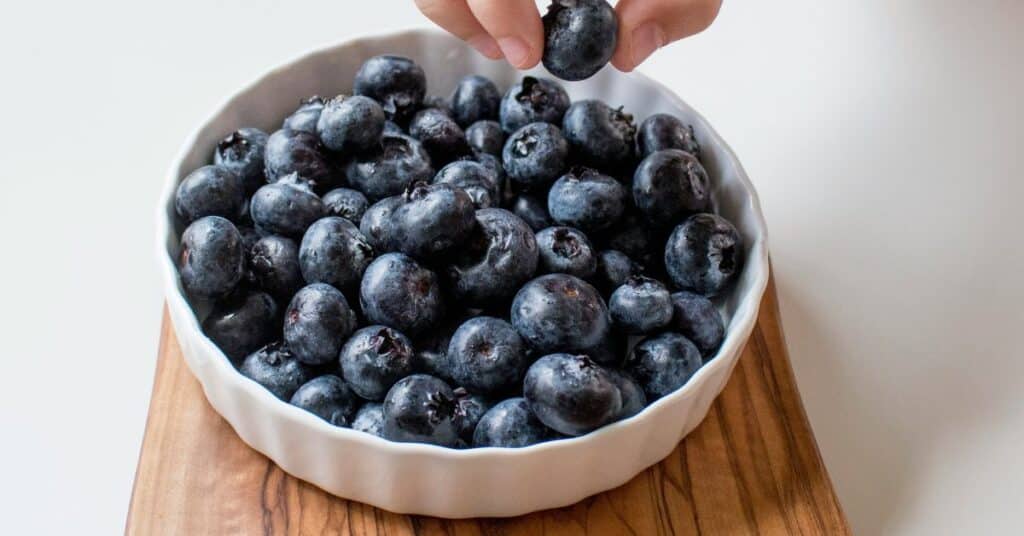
483, 270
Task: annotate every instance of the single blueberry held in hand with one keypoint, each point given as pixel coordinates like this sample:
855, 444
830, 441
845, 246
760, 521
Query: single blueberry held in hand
533, 211
389, 170
305, 117
242, 152
579, 37
440, 135
614, 268
479, 182
333, 251
642, 305
535, 155
571, 394
370, 419
300, 152
287, 207
475, 98
396, 291
211, 258
210, 191
486, 137
329, 398
697, 319
317, 322
533, 100
670, 185
588, 200
600, 136
394, 81
431, 221
487, 356
242, 323
350, 123
274, 266
501, 256
633, 398
704, 254
512, 424
566, 250
663, 363
469, 408
560, 312
374, 358
346, 203
421, 409
276, 369
664, 131
376, 222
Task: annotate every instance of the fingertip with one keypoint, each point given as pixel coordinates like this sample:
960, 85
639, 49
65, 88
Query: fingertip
486, 45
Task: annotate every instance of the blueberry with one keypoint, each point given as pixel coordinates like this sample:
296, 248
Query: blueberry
298, 151
350, 123
535, 155
387, 171
533, 100
664, 131
579, 37
396, 291
287, 207
392, 128
487, 356
305, 117
431, 221
614, 268
469, 408
611, 351
376, 222
559, 312
329, 398
640, 306
211, 258
571, 394
374, 358
242, 323
511, 423
249, 238
697, 319
499, 260
566, 250
669, 185
421, 409
704, 254
274, 265
346, 203
438, 102
440, 135
634, 237
475, 98
210, 191
432, 354
242, 153
633, 398
333, 251
533, 211
600, 136
663, 363
485, 137
394, 81
588, 200
478, 181
370, 419
317, 322
276, 369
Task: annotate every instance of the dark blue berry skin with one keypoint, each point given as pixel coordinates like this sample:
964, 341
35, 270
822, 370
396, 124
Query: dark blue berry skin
346, 203
350, 123
485, 137
441, 103
571, 394
669, 185
588, 200
329, 398
421, 409
632, 236
566, 250
392, 128
487, 356
579, 37
305, 117
242, 323
535, 155
611, 351
511, 424
210, 191
276, 369
478, 181
397, 292
600, 136
431, 221
440, 135
242, 152
370, 419
501, 257
697, 319
475, 98
396, 82
211, 260
614, 268
663, 363
664, 131
559, 312
333, 251
641, 306
274, 265
533, 100
298, 151
317, 322
469, 408
533, 211
388, 171
249, 238
374, 358
633, 398
287, 207
376, 222
704, 254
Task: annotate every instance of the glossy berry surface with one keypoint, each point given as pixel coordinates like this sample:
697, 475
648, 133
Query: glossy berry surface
614, 268
210, 191
559, 312
571, 394
242, 323
211, 259
600, 136
633, 398
501, 256
440, 135
329, 398
642, 305
475, 98
533, 211
276, 369
704, 254
579, 37
664, 131
480, 182
299, 152
387, 171
510, 424
670, 185
587, 199
274, 266
373, 359
346, 203
396, 82
397, 291
697, 319
663, 363
350, 123
469, 409
431, 220
535, 155
287, 207
421, 409
241, 152
533, 100
485, 137
305, 117
566, 250
317, 323
370, 419
376, 222
487, 356
333, 251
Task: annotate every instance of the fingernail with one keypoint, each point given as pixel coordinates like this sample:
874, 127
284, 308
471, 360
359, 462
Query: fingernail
646, 39
486, 45
515, 50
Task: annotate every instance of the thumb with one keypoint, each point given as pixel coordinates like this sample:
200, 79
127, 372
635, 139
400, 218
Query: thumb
647, 25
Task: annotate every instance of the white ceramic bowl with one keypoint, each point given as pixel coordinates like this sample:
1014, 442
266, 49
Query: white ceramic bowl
424, 479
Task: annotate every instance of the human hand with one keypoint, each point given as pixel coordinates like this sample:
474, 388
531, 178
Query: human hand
512, 28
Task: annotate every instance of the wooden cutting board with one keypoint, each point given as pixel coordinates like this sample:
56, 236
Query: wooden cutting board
752, 467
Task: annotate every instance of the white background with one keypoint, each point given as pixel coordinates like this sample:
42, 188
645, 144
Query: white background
885, 137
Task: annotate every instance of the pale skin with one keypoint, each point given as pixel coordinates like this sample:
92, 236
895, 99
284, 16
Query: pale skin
511, 29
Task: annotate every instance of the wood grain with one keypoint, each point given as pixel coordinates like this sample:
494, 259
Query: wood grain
752, 467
